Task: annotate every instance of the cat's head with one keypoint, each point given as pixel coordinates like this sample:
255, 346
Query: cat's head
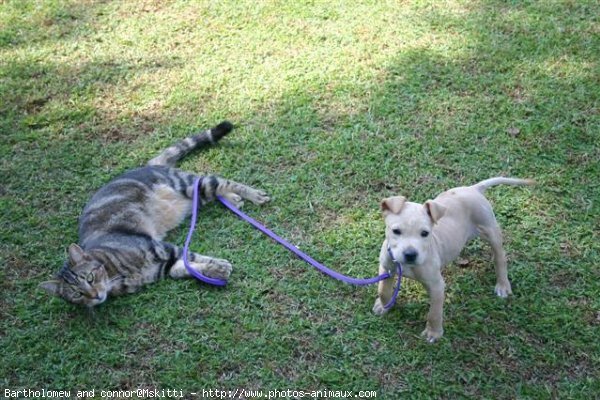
82, 280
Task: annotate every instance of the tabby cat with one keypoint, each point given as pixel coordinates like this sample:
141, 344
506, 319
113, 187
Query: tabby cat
122, 226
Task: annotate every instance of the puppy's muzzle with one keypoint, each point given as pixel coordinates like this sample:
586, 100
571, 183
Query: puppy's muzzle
410, 255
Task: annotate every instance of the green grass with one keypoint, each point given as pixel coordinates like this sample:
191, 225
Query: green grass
338, 105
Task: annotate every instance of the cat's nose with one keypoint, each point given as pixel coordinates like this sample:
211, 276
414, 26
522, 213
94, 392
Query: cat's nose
97, 297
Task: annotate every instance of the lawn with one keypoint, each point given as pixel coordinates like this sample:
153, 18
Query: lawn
337, 106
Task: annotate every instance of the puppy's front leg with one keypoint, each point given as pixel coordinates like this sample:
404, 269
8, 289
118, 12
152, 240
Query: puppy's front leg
434, 329
385, 291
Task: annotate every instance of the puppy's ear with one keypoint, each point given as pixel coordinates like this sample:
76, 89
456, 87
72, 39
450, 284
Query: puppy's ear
435, 210
392, 205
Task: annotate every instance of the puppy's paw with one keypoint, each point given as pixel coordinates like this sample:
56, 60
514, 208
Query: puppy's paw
379, 307
431, 335
503, 290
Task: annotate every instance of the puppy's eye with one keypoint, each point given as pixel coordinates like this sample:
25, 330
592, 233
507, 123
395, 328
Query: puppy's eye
397, 231
424, 233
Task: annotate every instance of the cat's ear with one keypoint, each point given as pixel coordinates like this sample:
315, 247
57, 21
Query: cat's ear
76, 254
52, 287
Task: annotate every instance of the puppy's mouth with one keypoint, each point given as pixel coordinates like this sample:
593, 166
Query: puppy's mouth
405, 259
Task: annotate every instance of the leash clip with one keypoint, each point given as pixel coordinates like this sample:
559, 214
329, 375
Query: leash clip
394, 270
391, 272
397, 270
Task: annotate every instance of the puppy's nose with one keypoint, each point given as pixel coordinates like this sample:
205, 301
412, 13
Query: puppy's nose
410, 255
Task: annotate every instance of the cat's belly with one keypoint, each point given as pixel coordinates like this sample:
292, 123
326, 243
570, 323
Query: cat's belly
168, 208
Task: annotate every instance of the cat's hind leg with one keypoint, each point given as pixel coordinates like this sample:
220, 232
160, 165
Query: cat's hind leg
211, 267
233, 191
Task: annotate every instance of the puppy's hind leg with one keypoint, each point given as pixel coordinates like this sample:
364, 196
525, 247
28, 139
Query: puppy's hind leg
493, 235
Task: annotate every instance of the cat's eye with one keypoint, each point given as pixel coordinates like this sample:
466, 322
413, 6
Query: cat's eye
424, 233
90, 278
397, 231
77, 294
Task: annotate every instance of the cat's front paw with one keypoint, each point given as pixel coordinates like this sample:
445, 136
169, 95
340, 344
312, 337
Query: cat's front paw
234, 199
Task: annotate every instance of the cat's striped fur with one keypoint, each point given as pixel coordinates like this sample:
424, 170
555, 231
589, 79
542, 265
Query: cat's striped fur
122, 227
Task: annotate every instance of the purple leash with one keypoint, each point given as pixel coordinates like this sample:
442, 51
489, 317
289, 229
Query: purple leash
186, 246
303, 256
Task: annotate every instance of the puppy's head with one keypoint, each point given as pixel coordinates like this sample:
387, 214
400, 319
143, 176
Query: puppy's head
408, 228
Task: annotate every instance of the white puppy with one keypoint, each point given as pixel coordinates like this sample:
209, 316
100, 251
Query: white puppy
426, 237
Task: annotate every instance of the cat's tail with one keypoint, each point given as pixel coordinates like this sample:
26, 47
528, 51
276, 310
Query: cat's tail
174, 153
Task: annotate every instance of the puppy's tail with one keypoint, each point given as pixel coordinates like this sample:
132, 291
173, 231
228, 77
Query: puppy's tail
488, 183
172, 154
